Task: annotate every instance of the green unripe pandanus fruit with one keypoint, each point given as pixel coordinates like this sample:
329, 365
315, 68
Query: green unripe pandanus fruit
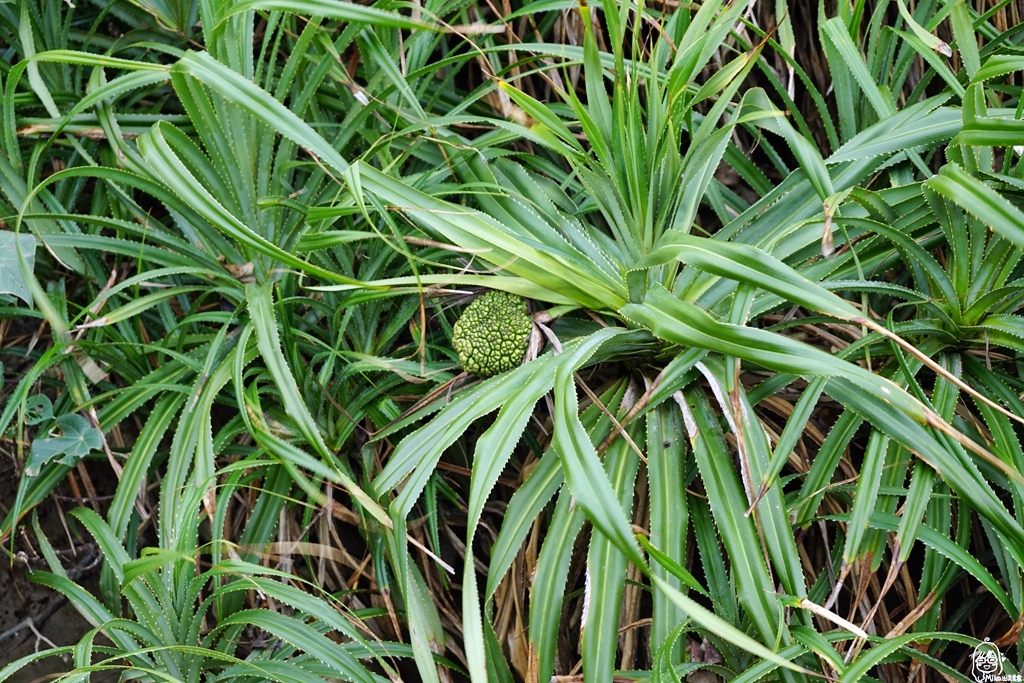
492, 334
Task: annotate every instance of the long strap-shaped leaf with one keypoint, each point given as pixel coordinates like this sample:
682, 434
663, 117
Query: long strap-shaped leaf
951, 462
492, 452
242, 92
583, 471
549, 579
137, 465
191, 455
261, 311
776, 531
496, 243
543, 482
753, 266
727, 631
170, 168
606, 571
725, 495
299, 634
748, 264
333, 9
979, 200
458, 224
669, 516
876, 397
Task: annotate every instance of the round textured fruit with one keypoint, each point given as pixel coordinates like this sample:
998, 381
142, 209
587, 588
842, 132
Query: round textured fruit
492, 334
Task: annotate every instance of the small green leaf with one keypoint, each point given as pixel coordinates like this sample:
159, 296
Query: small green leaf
78, 439
38, 409
11, 279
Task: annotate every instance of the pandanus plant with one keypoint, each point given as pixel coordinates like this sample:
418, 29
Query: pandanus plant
682, 315
604, 219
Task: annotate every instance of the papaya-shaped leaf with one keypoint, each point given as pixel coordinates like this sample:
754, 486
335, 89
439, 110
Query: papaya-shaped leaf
77, 439
38, 408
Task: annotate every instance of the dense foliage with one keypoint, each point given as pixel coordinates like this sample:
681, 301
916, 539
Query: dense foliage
768, 421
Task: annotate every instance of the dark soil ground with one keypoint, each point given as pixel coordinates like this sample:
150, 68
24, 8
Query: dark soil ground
32, 617
23, 603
